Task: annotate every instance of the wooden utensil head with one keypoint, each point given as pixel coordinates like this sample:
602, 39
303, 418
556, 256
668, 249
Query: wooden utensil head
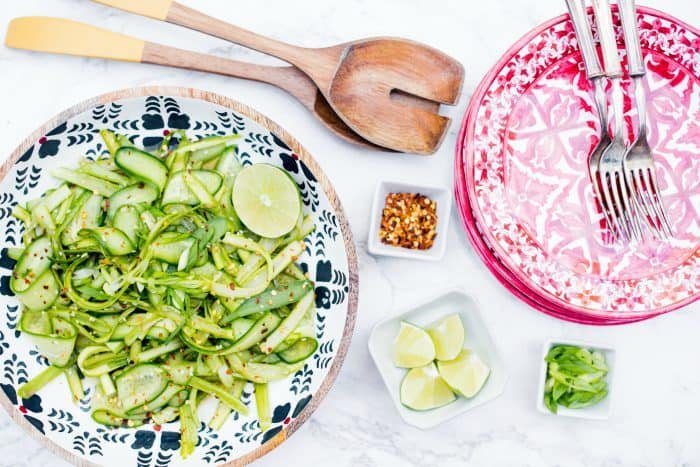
325, 113
371, 74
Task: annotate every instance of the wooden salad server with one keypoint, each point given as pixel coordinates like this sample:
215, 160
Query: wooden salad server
359, 79
62, 36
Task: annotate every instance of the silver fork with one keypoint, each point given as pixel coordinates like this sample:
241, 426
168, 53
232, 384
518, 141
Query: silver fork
595, 75
638, 163
612, 174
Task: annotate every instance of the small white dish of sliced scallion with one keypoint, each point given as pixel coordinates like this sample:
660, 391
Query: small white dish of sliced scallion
576, 379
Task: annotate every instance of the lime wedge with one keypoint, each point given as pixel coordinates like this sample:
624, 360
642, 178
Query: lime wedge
423, 389
267, 200
466, 374
448, 337
412, 347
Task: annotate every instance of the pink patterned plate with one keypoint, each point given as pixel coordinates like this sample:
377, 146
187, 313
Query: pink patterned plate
512, 283
507, 279
527, 136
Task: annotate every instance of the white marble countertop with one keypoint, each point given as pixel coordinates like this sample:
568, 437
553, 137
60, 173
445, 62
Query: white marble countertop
657, 394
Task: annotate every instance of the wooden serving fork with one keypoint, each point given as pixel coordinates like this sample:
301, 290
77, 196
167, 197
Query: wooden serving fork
62, 36
358, 79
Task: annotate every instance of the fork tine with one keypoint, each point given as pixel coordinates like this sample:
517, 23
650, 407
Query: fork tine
614, 205
649, 196
655, 200
638, 207
607, 204
654, 210
596, 178
644, 203
628, 213
658, 203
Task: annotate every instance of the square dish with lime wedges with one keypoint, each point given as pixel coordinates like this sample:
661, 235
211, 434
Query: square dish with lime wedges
454, 364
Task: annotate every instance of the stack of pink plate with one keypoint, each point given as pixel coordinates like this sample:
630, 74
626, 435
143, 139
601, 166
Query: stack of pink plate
523, 189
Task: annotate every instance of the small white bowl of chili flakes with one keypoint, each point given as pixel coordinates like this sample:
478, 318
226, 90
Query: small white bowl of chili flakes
409, 221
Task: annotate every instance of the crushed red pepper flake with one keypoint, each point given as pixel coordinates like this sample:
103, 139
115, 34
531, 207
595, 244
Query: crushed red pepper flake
409, 220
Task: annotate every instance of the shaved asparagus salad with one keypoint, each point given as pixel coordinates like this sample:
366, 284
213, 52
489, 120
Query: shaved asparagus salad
167, 277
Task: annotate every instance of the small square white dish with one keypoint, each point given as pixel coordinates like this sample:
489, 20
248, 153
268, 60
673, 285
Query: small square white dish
441, 196
600, 411
477, 338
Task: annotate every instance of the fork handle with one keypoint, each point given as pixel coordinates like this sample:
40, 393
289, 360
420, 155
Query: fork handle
628, 18
578, 15
608, 43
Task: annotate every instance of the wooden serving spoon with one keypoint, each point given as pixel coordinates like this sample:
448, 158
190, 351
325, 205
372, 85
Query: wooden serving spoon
62, 36
358, 79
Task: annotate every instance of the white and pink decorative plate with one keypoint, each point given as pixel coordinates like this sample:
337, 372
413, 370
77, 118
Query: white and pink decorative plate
526, 138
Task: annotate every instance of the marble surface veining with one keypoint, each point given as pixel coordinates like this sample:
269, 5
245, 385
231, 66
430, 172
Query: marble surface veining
656, 412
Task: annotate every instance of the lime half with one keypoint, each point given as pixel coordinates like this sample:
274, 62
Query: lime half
466, 374
267, 200
412, 347
448, 337
423, 389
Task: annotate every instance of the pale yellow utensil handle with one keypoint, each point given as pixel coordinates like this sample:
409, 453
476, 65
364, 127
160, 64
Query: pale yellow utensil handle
157, 9
62, 36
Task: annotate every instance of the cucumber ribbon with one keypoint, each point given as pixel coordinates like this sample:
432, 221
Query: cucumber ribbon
137, 273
